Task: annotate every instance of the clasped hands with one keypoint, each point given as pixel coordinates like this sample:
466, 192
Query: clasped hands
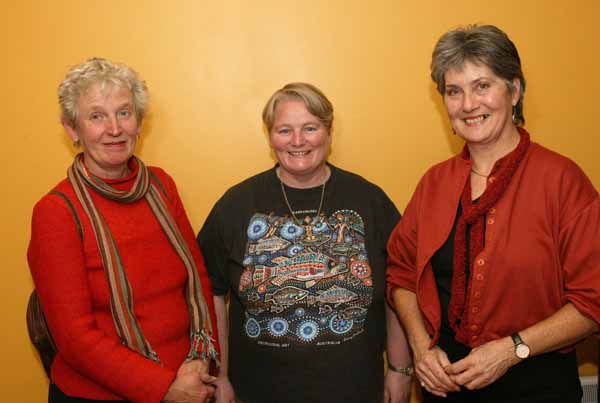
484, 365
193, 384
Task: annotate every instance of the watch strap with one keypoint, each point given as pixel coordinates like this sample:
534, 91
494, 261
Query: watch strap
516, 338
407, 371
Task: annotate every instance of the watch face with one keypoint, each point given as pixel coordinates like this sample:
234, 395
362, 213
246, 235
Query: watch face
522, 351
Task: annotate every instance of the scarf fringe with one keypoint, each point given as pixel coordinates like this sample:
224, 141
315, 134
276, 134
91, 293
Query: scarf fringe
203, 347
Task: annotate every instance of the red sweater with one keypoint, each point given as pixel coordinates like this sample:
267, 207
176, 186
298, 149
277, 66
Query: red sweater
71, 283
542, 246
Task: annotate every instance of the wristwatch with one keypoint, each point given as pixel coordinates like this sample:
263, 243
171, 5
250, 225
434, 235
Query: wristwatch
521, 349
408, 371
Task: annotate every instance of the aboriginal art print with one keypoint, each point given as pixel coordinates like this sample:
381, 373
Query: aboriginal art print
308, 282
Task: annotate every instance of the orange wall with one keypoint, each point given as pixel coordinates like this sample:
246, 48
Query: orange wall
210, 67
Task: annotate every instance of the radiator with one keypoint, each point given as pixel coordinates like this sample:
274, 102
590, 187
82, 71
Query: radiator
589, 384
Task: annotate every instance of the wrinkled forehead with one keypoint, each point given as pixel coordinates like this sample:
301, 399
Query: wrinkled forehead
468, 70
102, 89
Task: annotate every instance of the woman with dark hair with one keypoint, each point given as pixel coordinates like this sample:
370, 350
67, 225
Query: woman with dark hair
301, 251
494, 268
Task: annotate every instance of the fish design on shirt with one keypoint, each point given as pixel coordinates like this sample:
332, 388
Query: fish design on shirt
286, 296
334, 295
309, 268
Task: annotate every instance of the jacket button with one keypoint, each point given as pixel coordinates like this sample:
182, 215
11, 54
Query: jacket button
490, 221
481, 262
475, 309
492, 210
479, 277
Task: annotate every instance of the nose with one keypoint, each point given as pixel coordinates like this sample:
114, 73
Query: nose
470, 102
113, 126
297, 139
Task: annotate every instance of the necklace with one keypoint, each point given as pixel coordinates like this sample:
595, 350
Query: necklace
479, 173
287, 202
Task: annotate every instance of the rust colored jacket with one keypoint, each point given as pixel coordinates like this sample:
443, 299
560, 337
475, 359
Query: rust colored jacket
542, 246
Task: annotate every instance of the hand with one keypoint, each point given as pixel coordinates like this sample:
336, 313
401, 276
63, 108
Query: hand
199, 367
429, 367
396, 388
191, 385
224, 392
484, 364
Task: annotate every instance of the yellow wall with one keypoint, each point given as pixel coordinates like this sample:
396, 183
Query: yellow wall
211, 65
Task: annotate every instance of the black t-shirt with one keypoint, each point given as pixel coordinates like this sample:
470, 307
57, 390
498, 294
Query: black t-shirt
307, 306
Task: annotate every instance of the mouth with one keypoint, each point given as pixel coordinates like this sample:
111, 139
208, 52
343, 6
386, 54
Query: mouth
298, 153
115, 143
471, 121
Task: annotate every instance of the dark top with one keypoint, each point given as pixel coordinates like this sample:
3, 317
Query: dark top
307, 310
527, 381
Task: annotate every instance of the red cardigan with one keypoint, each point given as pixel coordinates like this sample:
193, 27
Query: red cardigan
71, 283
542, 246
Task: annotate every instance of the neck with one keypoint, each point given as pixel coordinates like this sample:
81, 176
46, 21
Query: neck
316, 178
106, 173
484, 156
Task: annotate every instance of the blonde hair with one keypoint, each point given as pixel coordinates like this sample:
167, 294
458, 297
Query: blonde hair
93, 71
316, 102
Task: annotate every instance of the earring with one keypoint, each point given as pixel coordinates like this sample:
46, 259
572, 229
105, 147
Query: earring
76, 143
514, 114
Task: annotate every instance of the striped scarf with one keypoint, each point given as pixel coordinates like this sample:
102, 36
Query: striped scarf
121, 298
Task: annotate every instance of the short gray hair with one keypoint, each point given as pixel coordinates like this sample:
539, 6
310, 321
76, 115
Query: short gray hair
316, 102
485, 44
93, 71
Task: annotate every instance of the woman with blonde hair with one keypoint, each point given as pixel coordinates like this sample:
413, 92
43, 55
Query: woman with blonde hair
300, 250
113, 257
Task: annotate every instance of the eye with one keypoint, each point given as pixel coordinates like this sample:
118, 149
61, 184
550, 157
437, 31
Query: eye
96, 117
311, 128
482, 86
125, 113
450, 92
284, 131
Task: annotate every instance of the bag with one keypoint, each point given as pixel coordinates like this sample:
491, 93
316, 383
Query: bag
39, 334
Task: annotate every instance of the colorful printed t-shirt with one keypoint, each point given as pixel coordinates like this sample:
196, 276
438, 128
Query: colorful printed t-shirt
306, 314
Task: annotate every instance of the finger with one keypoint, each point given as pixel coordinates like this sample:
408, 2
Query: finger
458, 366
433, 391
206, 378
445, 381
439, 379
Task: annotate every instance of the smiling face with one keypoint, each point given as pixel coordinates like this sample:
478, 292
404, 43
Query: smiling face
107, 129
301, 144
479, 104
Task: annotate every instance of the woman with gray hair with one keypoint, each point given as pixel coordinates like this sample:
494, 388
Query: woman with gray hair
114, 260
494, 268
300, 251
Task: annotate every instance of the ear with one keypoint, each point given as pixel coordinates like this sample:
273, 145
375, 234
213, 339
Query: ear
516, 94
70, 131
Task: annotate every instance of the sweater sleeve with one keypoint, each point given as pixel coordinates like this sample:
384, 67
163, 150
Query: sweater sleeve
188, 234
579, 243
57, 263
402, 251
